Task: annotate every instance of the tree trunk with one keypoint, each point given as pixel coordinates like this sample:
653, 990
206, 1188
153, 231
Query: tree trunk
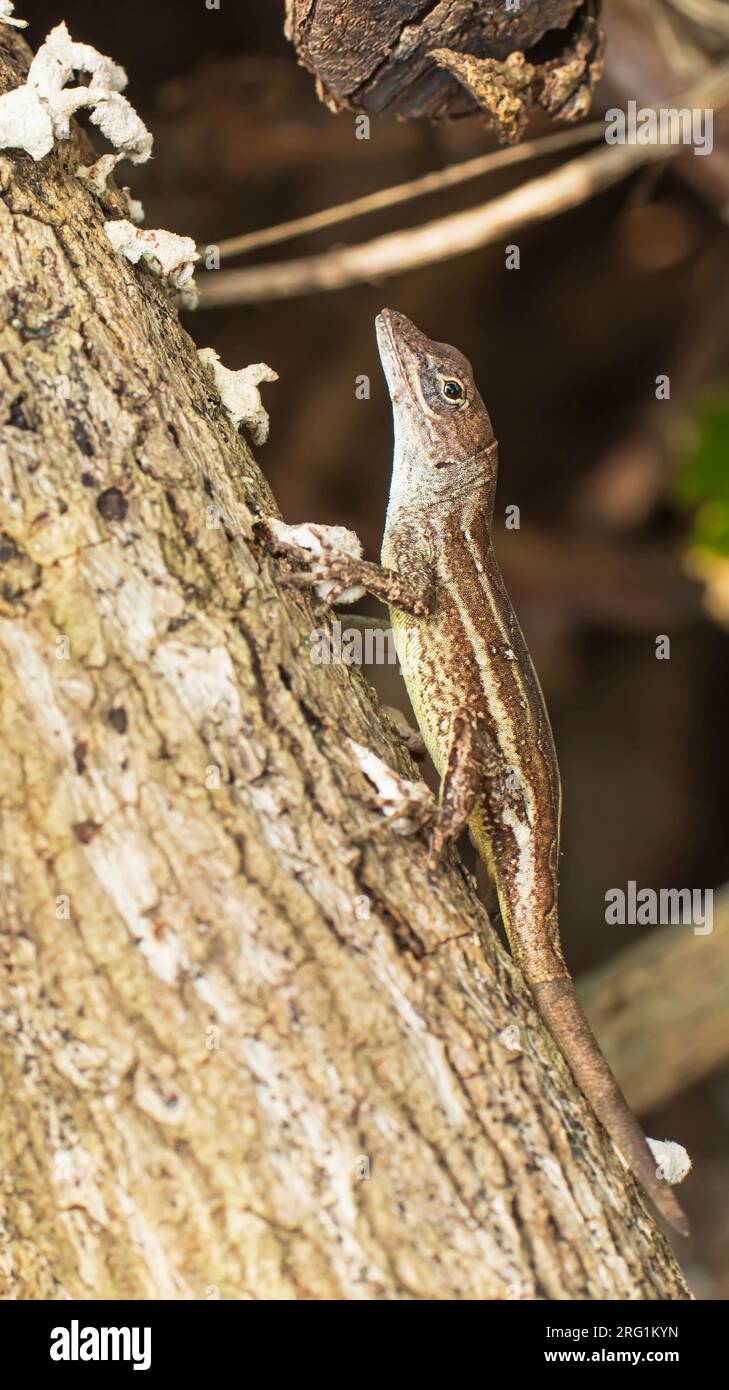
248, 1049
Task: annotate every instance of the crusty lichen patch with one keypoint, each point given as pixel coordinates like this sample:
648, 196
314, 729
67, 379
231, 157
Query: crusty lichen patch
502, 89
239, 392
34, 115
6, 15
169, 255
508, 89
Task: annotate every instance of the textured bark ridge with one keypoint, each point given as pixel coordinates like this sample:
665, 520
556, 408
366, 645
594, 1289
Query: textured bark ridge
451, 59
247, 1049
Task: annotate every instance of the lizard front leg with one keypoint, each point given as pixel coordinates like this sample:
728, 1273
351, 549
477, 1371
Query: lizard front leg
336, 570
344, 574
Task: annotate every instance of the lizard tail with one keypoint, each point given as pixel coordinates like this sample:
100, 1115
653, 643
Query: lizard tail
564, 1016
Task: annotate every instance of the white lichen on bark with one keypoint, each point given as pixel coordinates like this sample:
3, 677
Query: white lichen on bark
239, 392
34, 115
6, 15
167, 254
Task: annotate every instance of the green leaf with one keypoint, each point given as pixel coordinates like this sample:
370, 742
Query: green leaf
702, 480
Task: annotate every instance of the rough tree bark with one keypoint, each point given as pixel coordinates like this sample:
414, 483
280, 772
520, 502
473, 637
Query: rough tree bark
431, 60
217, 1076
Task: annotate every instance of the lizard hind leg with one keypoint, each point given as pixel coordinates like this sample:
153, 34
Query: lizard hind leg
468, 766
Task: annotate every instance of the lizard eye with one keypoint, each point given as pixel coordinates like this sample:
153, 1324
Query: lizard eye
453, 389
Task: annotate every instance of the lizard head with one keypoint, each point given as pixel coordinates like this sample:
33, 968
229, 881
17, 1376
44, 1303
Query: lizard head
443, 434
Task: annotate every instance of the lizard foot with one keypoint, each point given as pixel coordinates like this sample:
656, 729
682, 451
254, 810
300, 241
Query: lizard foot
334, 581
331, 555
406, 807
440, 837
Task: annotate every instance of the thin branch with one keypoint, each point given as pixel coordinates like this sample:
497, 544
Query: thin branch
414, 188
446, 237
435, 241
708, 14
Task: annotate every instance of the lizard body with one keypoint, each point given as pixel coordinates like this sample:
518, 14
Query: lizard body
475, 693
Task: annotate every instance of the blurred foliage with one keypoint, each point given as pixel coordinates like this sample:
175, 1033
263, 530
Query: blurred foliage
702, 481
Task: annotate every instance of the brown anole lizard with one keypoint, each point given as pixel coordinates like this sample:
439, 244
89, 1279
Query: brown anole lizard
474, 689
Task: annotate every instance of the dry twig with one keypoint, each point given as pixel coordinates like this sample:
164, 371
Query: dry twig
458, 233
434, 182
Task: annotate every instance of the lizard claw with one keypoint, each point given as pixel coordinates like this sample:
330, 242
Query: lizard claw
300, 579
324, 580
332, 582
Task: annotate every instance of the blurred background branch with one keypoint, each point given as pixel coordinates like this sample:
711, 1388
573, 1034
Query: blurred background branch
414, 188
458, 233
659, 1009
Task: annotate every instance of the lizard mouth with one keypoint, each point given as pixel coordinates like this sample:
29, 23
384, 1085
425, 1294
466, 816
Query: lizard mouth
389, 356
383, 329
391, 325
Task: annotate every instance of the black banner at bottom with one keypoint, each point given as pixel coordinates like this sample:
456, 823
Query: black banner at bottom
196, 1338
